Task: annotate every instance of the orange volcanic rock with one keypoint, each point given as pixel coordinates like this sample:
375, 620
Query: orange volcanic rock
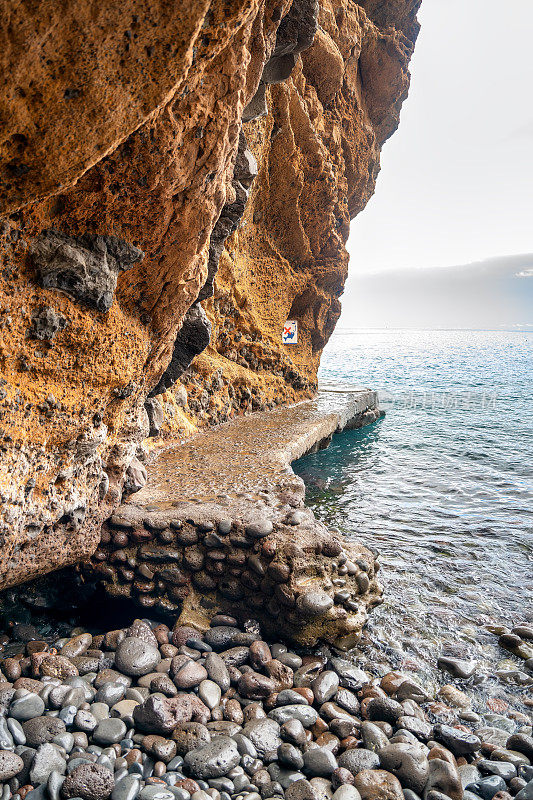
318, 153
123, 168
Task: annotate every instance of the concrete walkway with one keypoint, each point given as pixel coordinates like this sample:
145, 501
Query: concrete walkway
221, 525
244, 454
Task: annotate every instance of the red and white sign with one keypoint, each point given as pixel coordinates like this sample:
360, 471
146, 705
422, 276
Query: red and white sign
290, 332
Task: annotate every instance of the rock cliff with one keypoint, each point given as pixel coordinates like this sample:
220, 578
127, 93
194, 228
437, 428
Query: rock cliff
173, 186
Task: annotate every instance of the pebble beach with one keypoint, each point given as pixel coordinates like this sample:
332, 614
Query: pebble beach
160, 713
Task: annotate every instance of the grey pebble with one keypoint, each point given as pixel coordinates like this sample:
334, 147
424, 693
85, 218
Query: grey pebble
487, 787
27, 707
54, 784
259, 528
325, 686
214, 759
502, 768
126, 789
289, 697
320, 762
16, 731
314, 603
109, 731
356, 760
304, 714
217, 671
156, 793
47, 759
264, 734
459, 742
135, 657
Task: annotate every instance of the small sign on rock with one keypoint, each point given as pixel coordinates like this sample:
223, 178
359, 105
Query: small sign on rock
290, 332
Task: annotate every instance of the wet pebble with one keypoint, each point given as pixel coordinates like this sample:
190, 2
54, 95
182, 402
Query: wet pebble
136, 657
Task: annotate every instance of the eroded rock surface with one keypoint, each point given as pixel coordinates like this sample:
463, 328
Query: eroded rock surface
127, 175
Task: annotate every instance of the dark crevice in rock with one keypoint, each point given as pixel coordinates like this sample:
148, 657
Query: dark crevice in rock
244, 172
192, 338
85, 268
295, 34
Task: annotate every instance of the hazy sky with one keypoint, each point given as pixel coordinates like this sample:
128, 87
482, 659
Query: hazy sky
456, 184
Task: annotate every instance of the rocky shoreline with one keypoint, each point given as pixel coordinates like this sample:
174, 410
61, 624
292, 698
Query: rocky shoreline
215, 704
156, 713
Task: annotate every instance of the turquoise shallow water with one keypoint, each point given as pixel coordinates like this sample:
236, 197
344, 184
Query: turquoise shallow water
442, 486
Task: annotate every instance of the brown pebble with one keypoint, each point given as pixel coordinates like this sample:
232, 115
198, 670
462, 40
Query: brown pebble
163, 749
36, 647
365, 702
259, 654
52, 665
342, 776
391, 682
370, 692
255, 686
168, 650
77, 646
441, 752
349, 742
268, 549
282, 675
319, 727
133, 756
188, 675
25, 665
112, 639
253, 711
329, 741
233, 711
189, 785
270, 702
161, 633
24, 790
182, 633
80, 739
306, 693
28, 683
11, 669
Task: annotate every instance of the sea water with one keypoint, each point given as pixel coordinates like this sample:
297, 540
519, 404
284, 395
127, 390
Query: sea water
442, 487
